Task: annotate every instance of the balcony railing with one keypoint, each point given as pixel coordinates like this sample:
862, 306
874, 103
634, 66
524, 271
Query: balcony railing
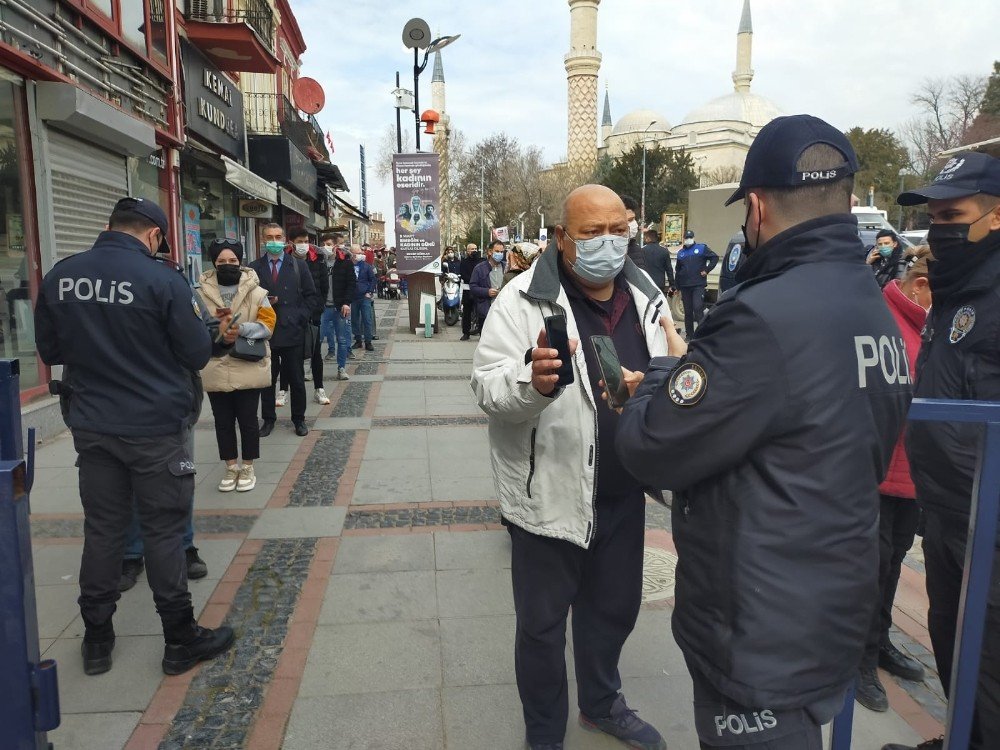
272, 114
257, 14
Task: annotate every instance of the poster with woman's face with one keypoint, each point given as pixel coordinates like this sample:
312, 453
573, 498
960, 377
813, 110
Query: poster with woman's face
418, 231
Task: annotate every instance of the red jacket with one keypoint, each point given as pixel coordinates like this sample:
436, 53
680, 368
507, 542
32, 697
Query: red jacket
910, 317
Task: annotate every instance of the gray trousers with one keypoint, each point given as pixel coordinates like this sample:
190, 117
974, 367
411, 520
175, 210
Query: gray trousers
159, 473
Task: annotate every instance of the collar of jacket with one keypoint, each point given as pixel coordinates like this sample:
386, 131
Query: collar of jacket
828, 238
910, 310
113, 238
210, 286
545, 278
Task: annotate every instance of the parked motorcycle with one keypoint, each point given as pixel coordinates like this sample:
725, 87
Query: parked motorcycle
392, 284
451, 297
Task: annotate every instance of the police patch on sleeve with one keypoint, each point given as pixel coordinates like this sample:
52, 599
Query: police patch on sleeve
687, 385
962, 323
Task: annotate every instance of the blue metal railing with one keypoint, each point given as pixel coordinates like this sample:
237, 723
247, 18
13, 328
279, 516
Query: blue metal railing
983, 523
29, 695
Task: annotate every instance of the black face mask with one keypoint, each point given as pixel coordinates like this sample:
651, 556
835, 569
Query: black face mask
229, 275
956, 258
747, 247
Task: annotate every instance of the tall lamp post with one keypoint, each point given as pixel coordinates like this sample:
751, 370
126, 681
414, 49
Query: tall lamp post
417, 36
903, 171
642, 203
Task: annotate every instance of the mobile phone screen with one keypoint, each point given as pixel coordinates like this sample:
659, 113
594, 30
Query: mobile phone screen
555, 329
611, 370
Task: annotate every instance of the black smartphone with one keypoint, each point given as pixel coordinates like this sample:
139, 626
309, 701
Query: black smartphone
555, 330
611, 370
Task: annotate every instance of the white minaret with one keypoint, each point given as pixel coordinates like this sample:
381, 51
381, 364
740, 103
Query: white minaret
583, 63
442, 131
606, 125
744, 47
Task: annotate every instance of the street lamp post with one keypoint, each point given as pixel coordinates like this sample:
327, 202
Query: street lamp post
416, 35
899, 220
642, 202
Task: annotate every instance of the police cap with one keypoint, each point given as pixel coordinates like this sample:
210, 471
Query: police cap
967, 173
772, 160
151, 211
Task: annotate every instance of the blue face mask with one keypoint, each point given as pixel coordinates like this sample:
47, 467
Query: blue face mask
600, 259
498, 257
885, 250
275, 247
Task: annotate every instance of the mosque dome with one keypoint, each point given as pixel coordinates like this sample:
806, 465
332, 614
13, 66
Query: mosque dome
638, 120
737, 106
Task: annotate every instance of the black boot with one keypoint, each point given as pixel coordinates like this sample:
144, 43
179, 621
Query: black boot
197, 644
131, 570
894, 661
869, 692
98, 643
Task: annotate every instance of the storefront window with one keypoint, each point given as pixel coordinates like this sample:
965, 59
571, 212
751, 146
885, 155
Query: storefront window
133, 22
210, 208
145, 179
102, 5
158, 29
17, 329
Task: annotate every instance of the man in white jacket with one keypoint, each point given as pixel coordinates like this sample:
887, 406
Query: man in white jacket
576, 517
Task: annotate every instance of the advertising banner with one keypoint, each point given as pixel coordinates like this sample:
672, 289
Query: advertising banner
418, 231
673, 229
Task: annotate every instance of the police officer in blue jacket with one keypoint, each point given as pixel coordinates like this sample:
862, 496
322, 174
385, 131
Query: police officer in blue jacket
128, 331
773, 429
695, 260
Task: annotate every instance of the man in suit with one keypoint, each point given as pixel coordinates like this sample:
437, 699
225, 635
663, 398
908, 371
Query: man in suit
294, 298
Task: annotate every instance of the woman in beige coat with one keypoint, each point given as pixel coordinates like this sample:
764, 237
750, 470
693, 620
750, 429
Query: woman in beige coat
233, 385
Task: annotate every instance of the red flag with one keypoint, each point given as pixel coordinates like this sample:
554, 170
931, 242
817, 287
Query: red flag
329, 141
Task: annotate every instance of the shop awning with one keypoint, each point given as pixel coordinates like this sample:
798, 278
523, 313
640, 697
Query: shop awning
252, 184
331, 175
350, 210
294, 203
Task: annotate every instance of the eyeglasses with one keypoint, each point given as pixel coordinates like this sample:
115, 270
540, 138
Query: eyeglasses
596, 243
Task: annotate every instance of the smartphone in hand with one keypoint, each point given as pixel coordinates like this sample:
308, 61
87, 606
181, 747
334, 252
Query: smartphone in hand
611, 370
555, 330
223, 311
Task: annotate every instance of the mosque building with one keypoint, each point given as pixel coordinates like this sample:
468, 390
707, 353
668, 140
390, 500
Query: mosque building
717, 134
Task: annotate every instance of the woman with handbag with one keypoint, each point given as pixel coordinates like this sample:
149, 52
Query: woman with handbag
241, 363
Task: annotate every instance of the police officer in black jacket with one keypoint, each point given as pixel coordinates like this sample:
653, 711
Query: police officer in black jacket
774, 431
959, 359
128, 329
732, 261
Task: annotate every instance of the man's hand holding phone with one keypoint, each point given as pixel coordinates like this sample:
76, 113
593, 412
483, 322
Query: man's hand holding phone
545, 364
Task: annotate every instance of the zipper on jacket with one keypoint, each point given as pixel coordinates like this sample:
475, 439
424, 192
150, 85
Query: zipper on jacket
590, 526
531, 461
590, 460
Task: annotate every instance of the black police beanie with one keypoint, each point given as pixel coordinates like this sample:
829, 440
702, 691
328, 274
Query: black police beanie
217, 246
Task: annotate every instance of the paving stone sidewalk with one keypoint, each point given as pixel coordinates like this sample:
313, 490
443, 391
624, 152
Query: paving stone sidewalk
368, 579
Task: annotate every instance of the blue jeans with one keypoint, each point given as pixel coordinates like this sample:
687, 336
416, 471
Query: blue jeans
133, 537
336, 330
363, 314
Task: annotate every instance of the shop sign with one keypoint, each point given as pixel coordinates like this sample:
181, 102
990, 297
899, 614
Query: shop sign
214, 105
157, 159
255, 209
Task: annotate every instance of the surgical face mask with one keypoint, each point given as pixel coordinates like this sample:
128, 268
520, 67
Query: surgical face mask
749, 247
327, 250
498, 257
358, 259
449, 256
600, 259
301, 249
633, 229
688, 242
275, 247
885, 250
228, 274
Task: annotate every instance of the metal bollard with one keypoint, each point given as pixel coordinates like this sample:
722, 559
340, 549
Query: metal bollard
29, 696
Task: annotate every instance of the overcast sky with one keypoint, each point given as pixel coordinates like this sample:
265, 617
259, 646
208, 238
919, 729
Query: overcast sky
851, 62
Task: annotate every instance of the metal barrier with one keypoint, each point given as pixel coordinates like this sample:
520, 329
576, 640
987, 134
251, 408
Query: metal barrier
984, 516
29, 695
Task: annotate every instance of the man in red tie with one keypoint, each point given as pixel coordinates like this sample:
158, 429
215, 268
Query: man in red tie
293, 296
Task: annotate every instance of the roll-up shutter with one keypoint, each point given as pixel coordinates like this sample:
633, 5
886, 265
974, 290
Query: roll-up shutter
87, 181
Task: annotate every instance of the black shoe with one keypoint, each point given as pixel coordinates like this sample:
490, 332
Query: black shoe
357, 344
624, 724
131, 570
465, 337
97, 656
300, 429
894, 661
374, 338
369, 347
195, 565
935, 744
267, 427
207, 644
868, 691
545, 745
